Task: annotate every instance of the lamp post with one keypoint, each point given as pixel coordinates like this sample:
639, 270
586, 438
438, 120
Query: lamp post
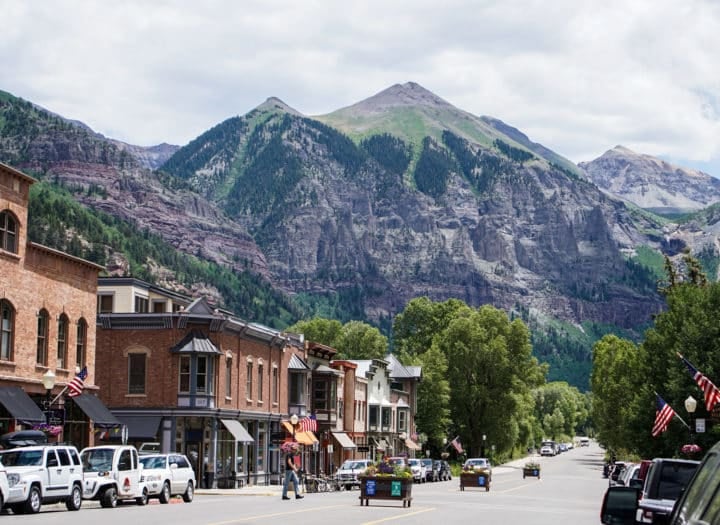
48, 381
690, 406
294, 421
482, 453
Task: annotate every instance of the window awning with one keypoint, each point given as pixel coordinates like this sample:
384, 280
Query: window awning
142, 427
195, 343
344, 440
409, 443
380, 444
237, 430
96, 411
304, 438
20, 405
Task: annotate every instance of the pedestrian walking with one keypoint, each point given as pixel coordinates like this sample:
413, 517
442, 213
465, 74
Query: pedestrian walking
291, 474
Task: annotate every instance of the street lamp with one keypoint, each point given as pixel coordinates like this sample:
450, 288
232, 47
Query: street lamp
294, 421
483, 445
48, 381
690, 406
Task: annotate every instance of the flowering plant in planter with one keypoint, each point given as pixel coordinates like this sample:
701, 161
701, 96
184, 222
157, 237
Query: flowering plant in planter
290, 447
49, 430
532, 465
387, 469
691, 450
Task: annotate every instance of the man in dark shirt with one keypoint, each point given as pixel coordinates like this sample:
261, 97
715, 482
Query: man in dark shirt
291, 475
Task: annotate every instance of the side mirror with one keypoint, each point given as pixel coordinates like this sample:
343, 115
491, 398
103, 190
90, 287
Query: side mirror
620, 506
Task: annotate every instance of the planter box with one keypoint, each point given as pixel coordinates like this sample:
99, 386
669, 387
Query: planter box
385, 487
480, 479
531, 472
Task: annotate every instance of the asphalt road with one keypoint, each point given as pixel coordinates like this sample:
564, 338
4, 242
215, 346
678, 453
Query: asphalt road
570, 490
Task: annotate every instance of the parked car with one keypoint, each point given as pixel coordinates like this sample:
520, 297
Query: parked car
547, 450
666, 479
4, 486
168, 475
478, 464
149, 448
443, 470
347, 474
40, 475
431, 474
112, 473
418, 470
584, 441
630, 476
665, 482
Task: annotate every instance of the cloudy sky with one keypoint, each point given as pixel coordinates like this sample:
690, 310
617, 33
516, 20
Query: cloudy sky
577, 76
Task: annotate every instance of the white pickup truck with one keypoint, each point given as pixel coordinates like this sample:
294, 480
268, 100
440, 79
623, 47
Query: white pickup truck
42, 474
112, 473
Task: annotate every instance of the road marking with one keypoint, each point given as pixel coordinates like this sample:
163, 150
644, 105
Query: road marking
402, 516
275, 514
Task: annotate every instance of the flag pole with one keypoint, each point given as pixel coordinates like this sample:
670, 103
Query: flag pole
58, 396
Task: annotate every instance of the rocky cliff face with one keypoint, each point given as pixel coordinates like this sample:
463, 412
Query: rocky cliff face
651, 183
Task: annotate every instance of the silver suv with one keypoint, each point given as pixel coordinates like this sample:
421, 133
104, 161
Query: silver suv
347, 474
43, 474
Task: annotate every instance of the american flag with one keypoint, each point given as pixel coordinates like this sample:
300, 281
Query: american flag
75, 387
456, 445
309, 423
664, 414
712, 394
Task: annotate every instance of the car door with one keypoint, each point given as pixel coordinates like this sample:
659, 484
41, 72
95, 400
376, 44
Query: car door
180, 472
58, 474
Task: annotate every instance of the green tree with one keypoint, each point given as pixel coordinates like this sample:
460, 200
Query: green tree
359, 340
433, 405
319, 330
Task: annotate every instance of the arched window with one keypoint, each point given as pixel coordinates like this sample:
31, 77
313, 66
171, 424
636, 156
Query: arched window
43, 321
8, 232
7, 330
62, 341
80, 343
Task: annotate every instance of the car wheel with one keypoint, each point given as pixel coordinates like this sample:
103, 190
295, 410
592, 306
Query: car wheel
142, 500
109, 499
75, 500
33, 503
189, 493
165, 493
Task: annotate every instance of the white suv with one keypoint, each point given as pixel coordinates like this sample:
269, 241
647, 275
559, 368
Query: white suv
4, 486
347, 474
168, 475
112, 473
42, 474
419, 471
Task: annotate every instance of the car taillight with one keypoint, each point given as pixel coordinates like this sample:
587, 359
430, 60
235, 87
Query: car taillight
647, 516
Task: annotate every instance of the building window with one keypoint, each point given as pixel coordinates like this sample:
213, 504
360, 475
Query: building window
275, 385
320, 395
105, 304
386, 415
62, 337
297, 389
260, 382
402, 420
136, 373
8, 232
43, 320
141, 305
7, 329
374, 413
80, 343
159, 307
184, 387
248, 380
228, 377
203, 375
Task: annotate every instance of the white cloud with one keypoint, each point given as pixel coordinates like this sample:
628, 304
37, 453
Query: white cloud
576, 75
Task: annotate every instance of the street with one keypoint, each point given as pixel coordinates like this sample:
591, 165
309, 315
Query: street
570, 490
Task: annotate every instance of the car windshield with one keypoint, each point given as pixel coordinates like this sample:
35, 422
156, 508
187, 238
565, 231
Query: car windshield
22, 458
97, 460
674, 479
153, 462
427, 462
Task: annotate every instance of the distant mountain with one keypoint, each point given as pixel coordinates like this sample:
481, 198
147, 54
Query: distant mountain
651, 183
356, 212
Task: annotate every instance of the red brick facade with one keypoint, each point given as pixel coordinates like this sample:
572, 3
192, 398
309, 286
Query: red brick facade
35, 279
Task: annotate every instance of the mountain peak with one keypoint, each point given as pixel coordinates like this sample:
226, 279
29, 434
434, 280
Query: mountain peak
277, 105
397, 95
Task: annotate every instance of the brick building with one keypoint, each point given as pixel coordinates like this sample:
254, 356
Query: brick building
198, 380
47, 322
